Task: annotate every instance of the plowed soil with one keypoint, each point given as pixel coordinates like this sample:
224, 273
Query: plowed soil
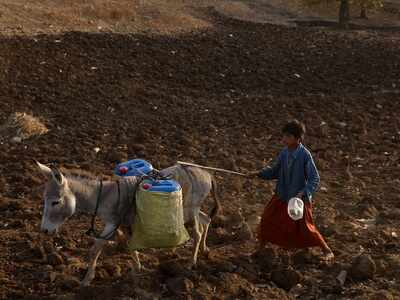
216, 96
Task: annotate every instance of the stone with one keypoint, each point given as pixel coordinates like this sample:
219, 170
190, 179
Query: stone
66, 297
363, 267
226, 266
113, 269
265, 258
341, 278
220, 221
286, 278
144, 295
244, 233
382, 295
302, 257
48, 247
172, 268
101, 273
221, 236
179, 285
117, 156
55, 259
67, 282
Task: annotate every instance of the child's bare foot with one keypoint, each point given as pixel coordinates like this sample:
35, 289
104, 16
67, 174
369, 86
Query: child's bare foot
327, 255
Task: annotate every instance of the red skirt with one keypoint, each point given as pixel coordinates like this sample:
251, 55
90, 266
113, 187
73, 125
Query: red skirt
278, 228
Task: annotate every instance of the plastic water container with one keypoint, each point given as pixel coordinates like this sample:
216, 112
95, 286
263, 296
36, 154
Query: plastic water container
164, 186
296, 208
134, 167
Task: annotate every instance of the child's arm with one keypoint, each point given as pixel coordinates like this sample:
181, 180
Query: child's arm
269, 173
313, 178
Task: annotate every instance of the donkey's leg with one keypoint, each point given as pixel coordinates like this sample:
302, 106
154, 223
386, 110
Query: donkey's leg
205, 223
120, 240
197, 231
95, 252
135, 256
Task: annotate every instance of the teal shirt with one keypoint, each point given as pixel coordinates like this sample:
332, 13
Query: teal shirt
295, 171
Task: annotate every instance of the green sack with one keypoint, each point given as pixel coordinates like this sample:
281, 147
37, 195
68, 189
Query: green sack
159, 220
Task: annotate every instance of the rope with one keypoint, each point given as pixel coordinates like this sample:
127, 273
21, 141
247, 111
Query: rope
92, 231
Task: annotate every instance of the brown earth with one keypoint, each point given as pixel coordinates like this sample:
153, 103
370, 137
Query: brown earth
216, 96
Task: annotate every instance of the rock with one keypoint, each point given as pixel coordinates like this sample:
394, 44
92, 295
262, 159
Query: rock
265, 258
55, 259
16, 224
179, 285
102, 273
286, 278
138, 148
219, 221
341, 278
172, 268
113, 269
67, 282
38, 252
221, 236
363, 267
16, 139
382, 295
236, 218
53, 276
226, 266
368, 210
60, 268
302, 257
48, 247
234, 284
393, 263
381, 266
394, 214
66, 297
253, 221
144, 295
198, 295
96, 292
117, 156
244, 233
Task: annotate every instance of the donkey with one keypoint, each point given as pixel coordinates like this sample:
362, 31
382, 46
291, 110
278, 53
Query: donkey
66, 195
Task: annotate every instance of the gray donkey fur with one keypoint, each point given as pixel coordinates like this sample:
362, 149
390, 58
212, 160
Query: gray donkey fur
65, 195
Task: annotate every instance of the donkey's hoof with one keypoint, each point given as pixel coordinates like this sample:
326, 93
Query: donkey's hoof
206, 251
85, 283
88, 279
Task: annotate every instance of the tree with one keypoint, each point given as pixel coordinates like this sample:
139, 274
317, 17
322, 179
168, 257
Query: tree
344, 8
344, 13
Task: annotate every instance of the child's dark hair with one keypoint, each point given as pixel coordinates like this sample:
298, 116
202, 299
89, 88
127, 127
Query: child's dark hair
295, 128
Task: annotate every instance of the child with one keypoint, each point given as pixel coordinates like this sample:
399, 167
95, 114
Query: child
297, 176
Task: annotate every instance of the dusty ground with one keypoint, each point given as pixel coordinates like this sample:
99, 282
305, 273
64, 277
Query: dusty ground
217, 95
127, 16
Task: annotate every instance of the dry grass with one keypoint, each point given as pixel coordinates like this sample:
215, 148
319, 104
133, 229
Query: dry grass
20, 126
20, 16
161, 16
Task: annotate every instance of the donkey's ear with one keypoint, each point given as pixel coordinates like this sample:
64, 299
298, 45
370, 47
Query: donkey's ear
44, 169
57, 175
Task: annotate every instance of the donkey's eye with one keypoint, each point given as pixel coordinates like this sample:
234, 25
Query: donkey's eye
54, 203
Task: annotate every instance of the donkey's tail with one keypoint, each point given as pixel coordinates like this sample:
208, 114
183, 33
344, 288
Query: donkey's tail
214, 192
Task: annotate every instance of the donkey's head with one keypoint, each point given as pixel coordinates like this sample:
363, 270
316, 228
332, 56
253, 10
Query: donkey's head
59, 201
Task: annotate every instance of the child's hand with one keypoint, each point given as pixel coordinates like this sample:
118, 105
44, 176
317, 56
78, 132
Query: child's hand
253, 174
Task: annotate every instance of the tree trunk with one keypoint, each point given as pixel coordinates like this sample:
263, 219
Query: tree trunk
363, 12
344, 14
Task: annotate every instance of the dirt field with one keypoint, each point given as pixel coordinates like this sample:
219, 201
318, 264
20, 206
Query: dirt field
217, 93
